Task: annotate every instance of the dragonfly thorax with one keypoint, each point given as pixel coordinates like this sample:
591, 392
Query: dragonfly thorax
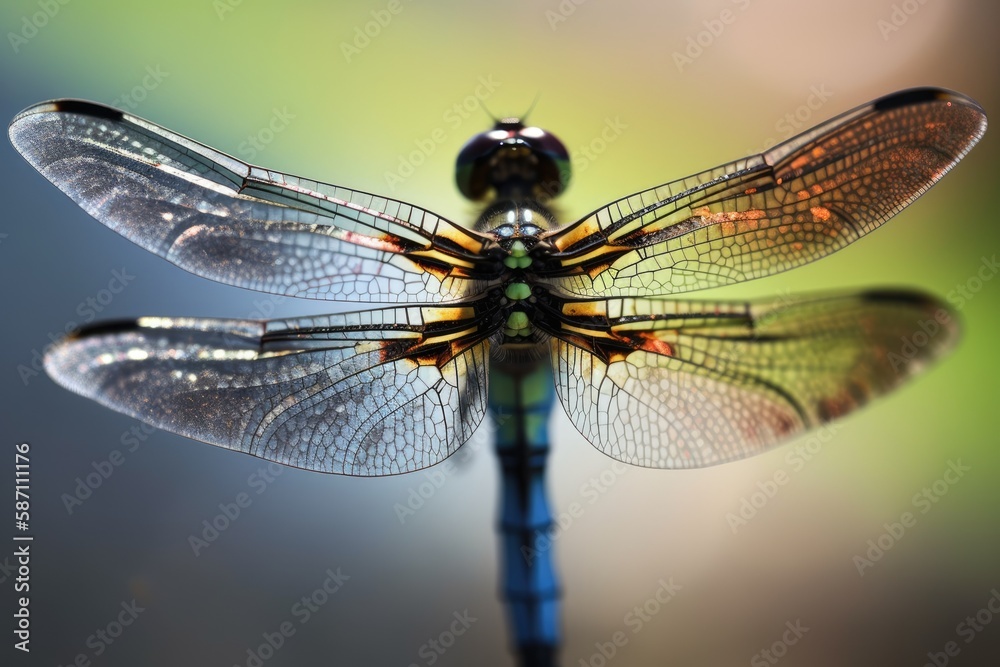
517, 227
508, 220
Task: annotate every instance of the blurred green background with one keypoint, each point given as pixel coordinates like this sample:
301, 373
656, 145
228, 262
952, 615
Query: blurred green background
296, 86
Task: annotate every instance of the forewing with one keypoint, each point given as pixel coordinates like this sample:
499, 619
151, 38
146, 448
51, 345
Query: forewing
691, 384
795, 203
223, 219
372, 393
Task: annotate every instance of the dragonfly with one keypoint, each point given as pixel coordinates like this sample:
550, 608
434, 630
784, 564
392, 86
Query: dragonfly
506, 315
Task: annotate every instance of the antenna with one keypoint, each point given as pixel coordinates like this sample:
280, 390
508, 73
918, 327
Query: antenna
496, 121
531, 108
522, 118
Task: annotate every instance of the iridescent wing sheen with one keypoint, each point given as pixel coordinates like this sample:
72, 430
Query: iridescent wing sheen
223, 219
669, 384
369, 393
795, 203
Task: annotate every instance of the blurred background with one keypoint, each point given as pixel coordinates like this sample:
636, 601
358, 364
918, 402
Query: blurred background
380, 96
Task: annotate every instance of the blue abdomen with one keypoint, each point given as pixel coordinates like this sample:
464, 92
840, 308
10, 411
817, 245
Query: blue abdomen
520, 405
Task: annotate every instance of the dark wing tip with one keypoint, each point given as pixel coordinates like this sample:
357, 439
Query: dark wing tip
21, 122
913, 96
103, 328
82, 107
975, 115
56, 354
928, 310
68, 366
85, 108
891, 295
904, 296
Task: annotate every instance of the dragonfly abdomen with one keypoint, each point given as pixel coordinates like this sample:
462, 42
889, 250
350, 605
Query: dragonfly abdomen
520, 404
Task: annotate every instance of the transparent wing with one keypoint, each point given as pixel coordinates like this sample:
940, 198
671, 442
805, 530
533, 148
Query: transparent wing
799, 201
225, 220
669, 384
371, 393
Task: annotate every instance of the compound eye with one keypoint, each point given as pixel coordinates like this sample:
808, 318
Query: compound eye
553, 158
473, 164
513, 158
544, 142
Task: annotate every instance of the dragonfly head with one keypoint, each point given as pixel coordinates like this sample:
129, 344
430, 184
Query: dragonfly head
513, 160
